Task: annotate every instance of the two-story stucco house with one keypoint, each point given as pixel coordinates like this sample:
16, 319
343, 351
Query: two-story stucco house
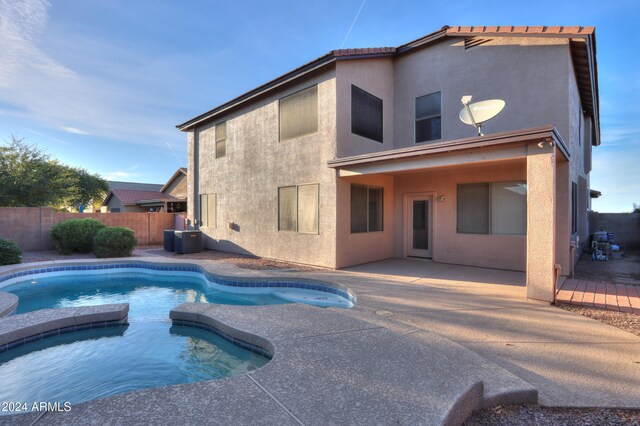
360, 156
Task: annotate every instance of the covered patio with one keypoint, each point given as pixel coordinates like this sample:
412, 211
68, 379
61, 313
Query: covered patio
499, 201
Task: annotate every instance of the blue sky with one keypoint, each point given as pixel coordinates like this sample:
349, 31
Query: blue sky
102, 83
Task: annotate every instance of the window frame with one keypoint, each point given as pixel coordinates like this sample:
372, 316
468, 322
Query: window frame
367, 202
415, 118
216, 141
489, 211
297, 209
574, 207
317, 126
374, 97
202, 199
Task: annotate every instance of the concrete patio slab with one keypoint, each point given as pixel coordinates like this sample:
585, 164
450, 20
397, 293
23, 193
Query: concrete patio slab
8, 303
220, 402
572, 360
572, 375
331, 368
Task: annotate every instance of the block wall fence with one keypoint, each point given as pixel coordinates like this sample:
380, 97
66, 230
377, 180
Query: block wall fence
30, 227
625, 226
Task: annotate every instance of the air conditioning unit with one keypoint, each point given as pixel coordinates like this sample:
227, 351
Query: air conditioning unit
188, 241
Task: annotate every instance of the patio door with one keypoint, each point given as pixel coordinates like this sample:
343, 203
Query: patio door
418, 223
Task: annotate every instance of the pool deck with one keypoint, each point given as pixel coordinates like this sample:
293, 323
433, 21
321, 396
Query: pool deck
426, 343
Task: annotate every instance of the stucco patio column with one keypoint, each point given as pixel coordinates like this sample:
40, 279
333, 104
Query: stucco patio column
541, 218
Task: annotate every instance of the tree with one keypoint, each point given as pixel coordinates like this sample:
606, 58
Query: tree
30, 178
636, 208
88, 188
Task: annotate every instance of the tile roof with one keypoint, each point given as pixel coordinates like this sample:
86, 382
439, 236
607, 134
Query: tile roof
367, 51
521, 30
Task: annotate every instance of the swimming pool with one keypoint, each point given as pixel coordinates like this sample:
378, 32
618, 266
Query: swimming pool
150, 351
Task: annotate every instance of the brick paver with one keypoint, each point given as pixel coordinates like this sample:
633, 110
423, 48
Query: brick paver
615, 297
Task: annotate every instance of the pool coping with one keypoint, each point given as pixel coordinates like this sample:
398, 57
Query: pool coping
20, 329
8, 303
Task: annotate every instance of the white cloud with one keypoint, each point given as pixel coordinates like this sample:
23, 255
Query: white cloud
120, 174
74, 130
61, 83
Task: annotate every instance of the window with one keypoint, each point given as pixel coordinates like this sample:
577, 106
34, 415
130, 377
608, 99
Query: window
298, 209
366, 209
221, 140
574, 207
492, 208
366, 114
428, 123
208, 210
299, 114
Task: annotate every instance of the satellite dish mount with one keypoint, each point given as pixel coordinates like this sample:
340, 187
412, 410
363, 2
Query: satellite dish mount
475, 114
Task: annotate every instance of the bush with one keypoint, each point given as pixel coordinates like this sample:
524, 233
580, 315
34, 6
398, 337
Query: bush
10, 253
114, 242
75, 235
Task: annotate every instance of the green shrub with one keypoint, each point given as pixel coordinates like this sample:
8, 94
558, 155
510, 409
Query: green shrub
114, 242
10, 253
75, 235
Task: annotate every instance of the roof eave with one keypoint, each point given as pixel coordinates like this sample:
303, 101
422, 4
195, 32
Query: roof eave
286, 78
548, 133
174, 177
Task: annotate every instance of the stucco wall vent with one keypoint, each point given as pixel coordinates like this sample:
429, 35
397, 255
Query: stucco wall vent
470, 42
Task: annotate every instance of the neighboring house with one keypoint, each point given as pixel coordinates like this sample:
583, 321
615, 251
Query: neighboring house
127, 197
359, 156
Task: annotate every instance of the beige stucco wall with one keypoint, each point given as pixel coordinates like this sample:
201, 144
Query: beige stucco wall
542, 232
579, 143
353, 249
496, 251
374, 75
114, 202
246, 180
529, 74
178, 187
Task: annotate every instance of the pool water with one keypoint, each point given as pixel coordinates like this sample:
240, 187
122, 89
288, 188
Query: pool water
150, 297
89, 364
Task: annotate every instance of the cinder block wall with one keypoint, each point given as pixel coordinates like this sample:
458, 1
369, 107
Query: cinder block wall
625, 226
30, 227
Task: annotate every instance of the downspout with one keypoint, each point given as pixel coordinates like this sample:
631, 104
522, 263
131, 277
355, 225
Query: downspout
558, 270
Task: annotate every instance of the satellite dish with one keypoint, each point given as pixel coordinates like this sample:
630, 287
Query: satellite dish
475, 114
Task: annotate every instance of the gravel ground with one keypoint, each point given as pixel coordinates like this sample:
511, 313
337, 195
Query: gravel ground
543, 416
240, 260
43, 256
626, 321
